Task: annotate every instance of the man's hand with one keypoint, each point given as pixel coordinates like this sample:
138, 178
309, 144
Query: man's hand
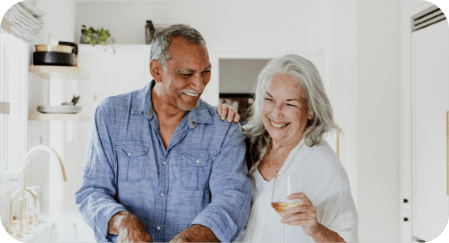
224, 111
196, 233
128, 228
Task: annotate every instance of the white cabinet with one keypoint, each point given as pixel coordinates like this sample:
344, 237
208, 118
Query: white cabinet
5, 28
405, 218
430, 102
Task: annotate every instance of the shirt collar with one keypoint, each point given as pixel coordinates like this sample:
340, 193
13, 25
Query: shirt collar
142, 105
142, 101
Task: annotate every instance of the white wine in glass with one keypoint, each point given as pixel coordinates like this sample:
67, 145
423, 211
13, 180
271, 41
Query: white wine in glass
284, 185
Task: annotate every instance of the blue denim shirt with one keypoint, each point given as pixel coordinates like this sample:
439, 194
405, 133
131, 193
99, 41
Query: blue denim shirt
201, 178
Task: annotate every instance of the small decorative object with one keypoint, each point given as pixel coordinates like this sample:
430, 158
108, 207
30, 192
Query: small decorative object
73, 102
64, 108
149, 32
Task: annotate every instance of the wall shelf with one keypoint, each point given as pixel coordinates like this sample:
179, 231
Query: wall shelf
45, 71
4, 108
57, 117
6, 26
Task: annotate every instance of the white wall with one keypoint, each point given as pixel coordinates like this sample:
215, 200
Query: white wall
261, 26
378, 120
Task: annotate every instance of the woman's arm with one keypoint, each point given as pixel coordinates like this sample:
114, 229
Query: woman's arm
324, 234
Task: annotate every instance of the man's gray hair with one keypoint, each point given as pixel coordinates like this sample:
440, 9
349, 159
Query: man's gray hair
162, 40
308, 77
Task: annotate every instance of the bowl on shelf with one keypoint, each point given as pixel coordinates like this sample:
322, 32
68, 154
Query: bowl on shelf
53, 58
54, 48
59, 109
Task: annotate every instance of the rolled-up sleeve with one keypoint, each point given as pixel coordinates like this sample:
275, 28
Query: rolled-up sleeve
95, 195
230, 187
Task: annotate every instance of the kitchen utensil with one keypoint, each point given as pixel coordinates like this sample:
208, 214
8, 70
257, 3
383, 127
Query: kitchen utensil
54, 48
53, 58
74, 45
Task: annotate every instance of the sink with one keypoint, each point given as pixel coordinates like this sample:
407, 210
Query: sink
42, 234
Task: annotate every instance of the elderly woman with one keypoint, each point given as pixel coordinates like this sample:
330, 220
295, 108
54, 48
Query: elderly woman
284, 133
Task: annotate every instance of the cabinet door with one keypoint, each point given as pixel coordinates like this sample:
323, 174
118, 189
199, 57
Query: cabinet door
430, 82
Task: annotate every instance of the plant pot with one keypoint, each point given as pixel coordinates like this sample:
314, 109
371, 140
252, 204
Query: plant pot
84, 37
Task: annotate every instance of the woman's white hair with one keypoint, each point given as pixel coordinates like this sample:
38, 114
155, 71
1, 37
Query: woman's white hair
308, 77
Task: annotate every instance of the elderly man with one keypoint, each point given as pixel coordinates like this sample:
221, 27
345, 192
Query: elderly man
162, 166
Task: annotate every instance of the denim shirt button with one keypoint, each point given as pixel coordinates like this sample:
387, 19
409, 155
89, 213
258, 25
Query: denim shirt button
162, 194
129, 154
159, 227
197, 161
179, 135
163, 162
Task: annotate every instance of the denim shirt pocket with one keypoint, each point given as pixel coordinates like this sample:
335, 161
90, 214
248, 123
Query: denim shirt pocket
131, 162
196, 166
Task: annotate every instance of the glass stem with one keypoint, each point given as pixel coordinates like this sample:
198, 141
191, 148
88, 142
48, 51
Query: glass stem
285, 233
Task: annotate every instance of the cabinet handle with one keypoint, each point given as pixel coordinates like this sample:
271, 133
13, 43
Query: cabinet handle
405, 219
405, 200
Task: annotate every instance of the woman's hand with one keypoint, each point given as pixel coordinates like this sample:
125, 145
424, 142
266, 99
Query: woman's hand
303, 215
224, 110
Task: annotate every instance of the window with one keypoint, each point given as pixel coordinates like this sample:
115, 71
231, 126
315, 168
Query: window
14, 61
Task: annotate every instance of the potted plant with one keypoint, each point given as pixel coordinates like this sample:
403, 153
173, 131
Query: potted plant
88, 35
103, 37
93, 37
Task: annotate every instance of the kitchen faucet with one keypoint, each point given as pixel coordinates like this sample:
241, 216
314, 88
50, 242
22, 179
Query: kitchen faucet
21, 226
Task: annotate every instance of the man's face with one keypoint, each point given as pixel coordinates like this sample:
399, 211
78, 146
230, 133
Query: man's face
187, 73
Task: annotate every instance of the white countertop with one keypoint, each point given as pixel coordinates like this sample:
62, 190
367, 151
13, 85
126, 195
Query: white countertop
60, 212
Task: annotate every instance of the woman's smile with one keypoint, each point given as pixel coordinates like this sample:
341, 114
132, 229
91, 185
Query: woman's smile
279, 125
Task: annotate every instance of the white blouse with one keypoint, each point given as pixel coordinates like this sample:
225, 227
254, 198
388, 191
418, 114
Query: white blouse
323, 180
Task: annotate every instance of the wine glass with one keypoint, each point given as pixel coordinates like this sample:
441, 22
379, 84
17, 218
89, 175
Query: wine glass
62, 232
284, 185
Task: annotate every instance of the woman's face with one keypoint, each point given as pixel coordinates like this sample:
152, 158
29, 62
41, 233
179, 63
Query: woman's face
284, 110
